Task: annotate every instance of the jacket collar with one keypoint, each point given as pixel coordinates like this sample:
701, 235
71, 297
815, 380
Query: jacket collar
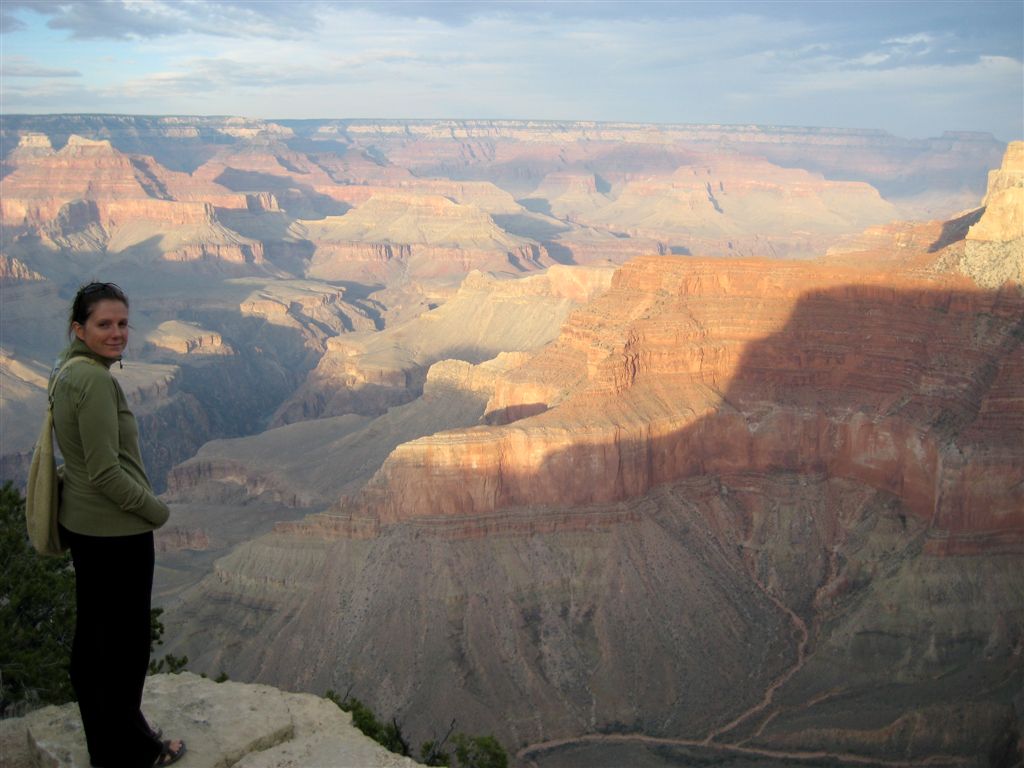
78, 348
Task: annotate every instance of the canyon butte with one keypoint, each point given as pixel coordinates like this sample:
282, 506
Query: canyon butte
645, 445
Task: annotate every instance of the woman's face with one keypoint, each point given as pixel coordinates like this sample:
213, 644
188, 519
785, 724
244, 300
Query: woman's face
105, 331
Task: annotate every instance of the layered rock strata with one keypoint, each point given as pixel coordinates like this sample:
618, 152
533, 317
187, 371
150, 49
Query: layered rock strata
426, 234
43, 180
439, 195
367, 374
730, 509
734, 468
523, 152
187, 339
721, 205
232, 490
838, 387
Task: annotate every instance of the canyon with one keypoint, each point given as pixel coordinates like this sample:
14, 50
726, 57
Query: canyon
764, 508
646, 443
388, 217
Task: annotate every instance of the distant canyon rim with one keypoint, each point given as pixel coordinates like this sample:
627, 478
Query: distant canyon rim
650, 444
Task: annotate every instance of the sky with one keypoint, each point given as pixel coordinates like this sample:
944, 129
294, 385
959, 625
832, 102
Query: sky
915, 69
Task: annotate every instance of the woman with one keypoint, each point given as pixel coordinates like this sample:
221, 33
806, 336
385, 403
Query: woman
108, 513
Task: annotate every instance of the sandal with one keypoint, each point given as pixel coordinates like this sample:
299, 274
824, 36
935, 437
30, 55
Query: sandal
169, 756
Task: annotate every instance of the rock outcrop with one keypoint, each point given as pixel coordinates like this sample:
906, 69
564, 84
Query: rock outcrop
319, 311
12, 269
23, 399
249, 726
994, 247
426, 236
42, 181
369, 373
187, 339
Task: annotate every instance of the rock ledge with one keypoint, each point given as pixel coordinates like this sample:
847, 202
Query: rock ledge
224, 724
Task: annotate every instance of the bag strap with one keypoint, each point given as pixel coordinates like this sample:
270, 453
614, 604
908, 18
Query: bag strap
53, 381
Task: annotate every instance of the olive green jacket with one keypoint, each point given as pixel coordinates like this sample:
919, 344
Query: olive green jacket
106, 491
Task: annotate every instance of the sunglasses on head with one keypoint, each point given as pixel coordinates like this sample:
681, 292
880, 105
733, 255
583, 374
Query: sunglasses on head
98, 287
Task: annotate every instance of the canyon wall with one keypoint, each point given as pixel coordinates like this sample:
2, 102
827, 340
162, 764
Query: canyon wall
994, 247
751, 507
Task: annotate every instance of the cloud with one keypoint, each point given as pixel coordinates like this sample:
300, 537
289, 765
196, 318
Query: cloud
459, 13
921, 38
42, 95
18, 66
146, 19
966, 96
10, 23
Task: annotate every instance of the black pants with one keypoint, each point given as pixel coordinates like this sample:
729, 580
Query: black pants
110, 654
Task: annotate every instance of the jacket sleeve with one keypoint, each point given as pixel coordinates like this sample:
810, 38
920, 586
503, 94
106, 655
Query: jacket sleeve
98, 428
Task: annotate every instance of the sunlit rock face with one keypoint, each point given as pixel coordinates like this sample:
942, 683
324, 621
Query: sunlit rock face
994, 247
734, 505
817, 394
427, 235
367, 373
187, 339
42, 180
14, 270
89, 198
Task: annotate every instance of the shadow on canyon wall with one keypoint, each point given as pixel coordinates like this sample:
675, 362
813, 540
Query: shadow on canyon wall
956, 229
869, 382
285, 188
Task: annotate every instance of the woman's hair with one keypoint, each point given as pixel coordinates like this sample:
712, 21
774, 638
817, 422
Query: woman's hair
89, 296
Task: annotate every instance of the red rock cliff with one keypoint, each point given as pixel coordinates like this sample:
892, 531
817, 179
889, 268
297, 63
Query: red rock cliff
686, 367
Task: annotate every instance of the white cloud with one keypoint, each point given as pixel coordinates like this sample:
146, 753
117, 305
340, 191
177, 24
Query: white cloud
20, 66
871, 59
921, 38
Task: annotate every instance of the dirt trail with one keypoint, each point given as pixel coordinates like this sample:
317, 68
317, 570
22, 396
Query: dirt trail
708, 742
801, 659
934, 761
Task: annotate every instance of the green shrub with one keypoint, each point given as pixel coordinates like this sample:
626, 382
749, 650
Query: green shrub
37, 616
169, 663
470, 751
479, 752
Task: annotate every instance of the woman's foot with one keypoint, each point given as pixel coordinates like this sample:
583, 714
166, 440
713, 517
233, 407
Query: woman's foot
170, 753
